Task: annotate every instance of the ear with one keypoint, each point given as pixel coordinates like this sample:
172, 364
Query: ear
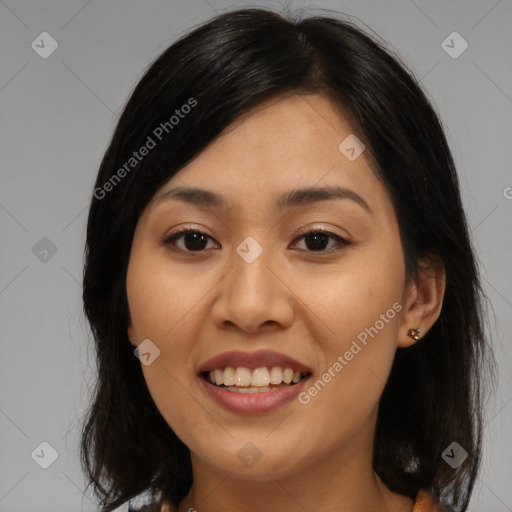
131, 334
423, 299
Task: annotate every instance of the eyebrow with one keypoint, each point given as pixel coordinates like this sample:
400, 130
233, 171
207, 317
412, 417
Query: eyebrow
291, 199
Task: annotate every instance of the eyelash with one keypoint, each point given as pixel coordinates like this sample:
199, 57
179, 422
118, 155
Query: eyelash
342, 242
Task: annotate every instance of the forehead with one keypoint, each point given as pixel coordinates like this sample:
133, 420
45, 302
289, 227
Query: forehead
298, 124
285, 143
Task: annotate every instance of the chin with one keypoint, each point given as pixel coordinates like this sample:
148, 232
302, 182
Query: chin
247, 462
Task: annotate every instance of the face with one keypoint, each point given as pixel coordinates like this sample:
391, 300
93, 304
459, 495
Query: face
249, 295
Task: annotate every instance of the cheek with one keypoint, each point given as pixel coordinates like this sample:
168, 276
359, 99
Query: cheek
359, 302
159, 296
161, 300
352, 295
161, 303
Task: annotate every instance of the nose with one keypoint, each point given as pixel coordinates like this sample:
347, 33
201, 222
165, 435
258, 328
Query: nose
253, 296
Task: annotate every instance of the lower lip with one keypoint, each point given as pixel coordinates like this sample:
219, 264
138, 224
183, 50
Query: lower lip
253, 403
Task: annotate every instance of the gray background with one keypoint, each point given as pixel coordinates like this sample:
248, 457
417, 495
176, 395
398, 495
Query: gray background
57, 118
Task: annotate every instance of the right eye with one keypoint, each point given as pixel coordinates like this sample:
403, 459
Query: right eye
193, 240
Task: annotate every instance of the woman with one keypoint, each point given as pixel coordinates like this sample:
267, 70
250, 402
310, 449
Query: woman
276, 232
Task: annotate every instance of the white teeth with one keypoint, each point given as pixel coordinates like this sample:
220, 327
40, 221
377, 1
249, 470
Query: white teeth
287, 375
260, 377
276, 375
229, 376
219, 377
254, 380
242, 376
249, 390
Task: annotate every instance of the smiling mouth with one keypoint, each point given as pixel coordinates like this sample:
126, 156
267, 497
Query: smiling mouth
258, 380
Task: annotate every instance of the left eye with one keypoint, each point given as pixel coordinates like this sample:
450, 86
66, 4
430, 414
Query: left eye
195, 241
319, 237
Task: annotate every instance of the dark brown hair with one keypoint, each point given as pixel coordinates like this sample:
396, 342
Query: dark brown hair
228, 66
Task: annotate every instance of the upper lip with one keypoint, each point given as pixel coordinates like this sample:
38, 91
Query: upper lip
251, 360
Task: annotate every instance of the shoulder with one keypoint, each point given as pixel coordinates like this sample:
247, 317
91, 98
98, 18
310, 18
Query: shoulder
160, 506
426, 503
157, 506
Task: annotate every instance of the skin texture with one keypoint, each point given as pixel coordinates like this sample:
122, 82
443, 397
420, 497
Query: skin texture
307, 304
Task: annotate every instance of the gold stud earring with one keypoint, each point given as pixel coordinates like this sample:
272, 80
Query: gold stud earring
414, 334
